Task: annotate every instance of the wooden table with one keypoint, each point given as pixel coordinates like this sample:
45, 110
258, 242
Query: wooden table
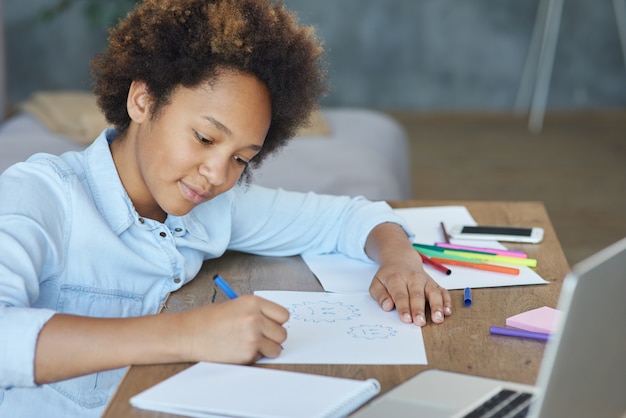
461, 344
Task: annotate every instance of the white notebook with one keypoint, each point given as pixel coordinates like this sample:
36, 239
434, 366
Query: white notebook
214, 390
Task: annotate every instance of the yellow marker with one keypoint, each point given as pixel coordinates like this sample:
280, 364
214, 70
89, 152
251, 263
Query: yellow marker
515, 261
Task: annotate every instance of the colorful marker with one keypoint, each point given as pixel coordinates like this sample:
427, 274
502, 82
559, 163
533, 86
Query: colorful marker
446, 236
516, 261
221, 283
445, 270
477, 265
520, 333
443, 249
510, 253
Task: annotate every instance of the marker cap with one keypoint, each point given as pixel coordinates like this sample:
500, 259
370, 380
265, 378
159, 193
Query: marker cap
467, 297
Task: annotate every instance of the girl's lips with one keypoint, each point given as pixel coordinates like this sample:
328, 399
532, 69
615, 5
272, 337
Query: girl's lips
193, 195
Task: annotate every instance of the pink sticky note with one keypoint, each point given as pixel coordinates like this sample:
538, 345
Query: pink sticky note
543, 319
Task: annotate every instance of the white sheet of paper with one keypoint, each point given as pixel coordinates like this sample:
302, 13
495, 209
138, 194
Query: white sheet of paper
341, 274
334, 328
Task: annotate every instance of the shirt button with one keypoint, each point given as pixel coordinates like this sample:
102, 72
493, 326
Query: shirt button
177, 280
141, 221
178, 229
163, 234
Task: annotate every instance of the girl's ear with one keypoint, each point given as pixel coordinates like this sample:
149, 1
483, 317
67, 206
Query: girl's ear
138, 102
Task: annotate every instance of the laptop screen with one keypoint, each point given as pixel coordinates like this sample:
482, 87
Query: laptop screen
583, 372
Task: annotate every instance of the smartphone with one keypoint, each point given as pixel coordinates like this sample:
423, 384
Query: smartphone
498, 233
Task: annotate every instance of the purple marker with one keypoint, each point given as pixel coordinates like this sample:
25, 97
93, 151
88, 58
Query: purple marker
520, 333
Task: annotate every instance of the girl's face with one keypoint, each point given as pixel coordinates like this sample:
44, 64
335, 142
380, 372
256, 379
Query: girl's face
195, 148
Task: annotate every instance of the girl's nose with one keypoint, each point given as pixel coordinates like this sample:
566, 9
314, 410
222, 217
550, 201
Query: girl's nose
215, 170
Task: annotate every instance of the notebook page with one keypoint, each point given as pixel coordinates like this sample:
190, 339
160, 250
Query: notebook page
212, 389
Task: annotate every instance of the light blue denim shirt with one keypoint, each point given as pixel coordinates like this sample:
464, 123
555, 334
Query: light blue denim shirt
72, 242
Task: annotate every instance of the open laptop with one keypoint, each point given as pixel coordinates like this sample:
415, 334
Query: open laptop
583, 372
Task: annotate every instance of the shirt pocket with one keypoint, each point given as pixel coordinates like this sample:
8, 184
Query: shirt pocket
99, 302
94, 390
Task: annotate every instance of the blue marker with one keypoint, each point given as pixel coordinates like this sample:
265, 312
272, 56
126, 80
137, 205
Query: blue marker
221, 283
467, 297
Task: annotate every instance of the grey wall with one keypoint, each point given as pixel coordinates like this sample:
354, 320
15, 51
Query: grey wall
3, 95
385, 54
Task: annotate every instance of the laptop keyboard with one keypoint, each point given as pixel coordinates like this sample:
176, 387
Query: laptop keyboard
506, 403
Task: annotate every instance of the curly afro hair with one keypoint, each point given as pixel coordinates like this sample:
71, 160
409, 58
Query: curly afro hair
169, 43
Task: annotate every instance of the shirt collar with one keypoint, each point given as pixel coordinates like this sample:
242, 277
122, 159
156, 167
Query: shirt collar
106, 187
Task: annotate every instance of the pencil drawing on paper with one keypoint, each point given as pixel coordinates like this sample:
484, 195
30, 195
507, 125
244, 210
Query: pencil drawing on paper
323, 311
372, 332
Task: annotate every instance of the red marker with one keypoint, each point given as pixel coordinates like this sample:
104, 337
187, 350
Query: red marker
435, 264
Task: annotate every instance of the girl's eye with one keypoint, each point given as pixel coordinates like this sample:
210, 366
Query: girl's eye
203, 140
242, 162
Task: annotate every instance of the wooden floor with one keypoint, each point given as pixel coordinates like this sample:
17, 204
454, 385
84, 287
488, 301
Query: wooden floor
576, 166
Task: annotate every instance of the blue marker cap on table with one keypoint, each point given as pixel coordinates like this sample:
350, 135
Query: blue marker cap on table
221, 283
467, 297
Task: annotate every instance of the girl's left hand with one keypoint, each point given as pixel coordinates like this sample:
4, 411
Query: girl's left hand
407, 288
401, 281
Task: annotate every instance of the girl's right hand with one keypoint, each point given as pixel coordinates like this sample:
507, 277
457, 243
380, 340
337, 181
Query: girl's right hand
240, 330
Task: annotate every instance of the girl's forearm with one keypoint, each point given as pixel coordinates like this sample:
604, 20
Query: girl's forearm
70, 346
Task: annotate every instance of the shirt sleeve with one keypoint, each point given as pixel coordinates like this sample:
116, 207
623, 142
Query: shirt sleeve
30, 246
276, 222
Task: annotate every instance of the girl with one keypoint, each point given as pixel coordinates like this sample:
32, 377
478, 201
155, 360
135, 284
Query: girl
92, 243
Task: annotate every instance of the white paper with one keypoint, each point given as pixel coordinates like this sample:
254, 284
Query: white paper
334, 328
338, 273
